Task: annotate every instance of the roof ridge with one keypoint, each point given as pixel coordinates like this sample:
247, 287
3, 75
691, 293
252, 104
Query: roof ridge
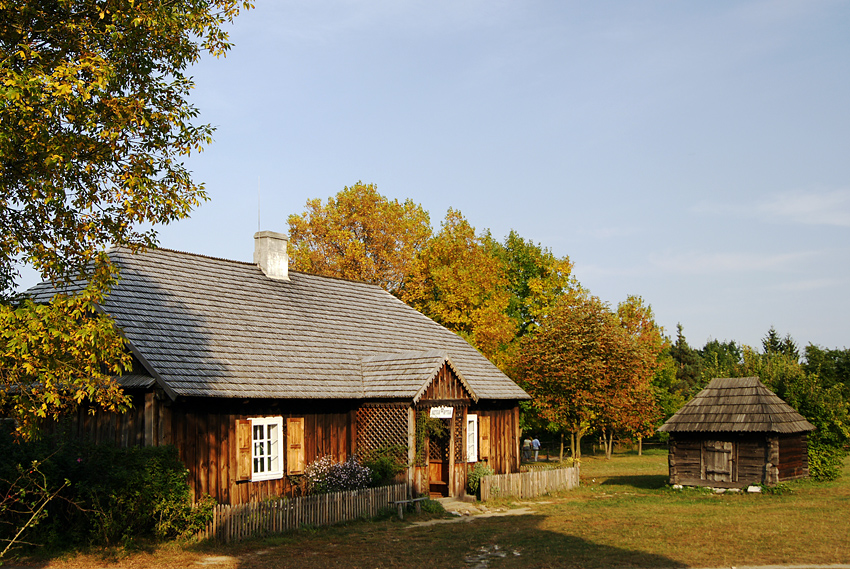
121, 248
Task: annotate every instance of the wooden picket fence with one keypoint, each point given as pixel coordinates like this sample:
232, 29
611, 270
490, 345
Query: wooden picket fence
530, 484
256, 519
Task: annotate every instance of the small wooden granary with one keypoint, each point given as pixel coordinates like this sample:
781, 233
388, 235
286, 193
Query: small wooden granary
737, 432
253, 371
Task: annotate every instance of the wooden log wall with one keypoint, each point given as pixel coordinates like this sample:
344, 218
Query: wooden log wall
684, 458
206, 440
793, 457
125, 429
752, 454
504, 435
204, 433
753, 457
445, 386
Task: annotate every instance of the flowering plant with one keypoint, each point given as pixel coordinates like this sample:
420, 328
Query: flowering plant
326, 475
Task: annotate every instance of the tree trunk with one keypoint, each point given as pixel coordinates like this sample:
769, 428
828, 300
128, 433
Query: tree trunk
640, 445
562, 447
608, 437
577, 448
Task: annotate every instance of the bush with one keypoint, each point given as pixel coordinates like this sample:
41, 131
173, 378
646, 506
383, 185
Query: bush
113, 496
325, 475
384, 465
432, 507
825, 461
473, 479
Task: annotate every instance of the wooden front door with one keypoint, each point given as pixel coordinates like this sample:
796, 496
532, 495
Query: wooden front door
718, 461
439, 454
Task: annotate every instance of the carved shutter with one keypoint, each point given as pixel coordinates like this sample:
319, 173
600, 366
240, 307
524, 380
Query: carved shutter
483, 437
243, 450
295, 446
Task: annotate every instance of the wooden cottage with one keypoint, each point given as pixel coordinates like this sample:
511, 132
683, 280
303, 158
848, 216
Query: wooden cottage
737, 432
253, 372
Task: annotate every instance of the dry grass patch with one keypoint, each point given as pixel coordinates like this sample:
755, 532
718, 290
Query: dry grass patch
624, 515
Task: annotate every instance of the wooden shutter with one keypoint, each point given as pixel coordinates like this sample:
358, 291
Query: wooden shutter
243, 450
483, 437
295, 446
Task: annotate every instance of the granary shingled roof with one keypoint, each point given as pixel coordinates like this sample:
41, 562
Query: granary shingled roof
738, 404
210, 327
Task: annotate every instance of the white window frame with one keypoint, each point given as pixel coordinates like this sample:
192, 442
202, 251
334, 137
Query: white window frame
266, 448
472, 438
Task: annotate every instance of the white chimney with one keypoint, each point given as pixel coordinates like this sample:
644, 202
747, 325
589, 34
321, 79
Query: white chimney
270, 254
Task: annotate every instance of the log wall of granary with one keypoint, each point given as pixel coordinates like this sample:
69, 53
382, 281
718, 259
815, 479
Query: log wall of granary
752, 459
684, 458
793, 457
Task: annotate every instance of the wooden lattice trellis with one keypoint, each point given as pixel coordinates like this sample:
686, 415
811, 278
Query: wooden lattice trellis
438, 448
382, 429
460, 443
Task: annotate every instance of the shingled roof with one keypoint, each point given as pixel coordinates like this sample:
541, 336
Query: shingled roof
207, 327
738, 404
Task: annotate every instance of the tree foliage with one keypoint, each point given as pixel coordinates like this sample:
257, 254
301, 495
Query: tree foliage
94, 120
536, 278
641, 412
585, 369
458, 283
721, 359
689, 379
55, 356
94, 125
360, 234
773, 344
832, 366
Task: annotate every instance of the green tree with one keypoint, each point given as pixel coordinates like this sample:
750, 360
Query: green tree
688, 366
832, 366
94, 125
536, 278
721, 359
667, 398
773, 344
360, 235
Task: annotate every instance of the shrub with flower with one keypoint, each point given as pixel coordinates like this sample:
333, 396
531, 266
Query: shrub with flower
326, 475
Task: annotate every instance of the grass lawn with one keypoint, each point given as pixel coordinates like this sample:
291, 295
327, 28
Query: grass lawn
624, 515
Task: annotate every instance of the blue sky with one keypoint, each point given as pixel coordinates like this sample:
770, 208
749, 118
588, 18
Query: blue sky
693, 153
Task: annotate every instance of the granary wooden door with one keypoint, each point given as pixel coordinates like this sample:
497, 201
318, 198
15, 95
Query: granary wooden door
717, 461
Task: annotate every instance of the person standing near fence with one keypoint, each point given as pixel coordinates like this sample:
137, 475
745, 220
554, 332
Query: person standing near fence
526, 449
535, 445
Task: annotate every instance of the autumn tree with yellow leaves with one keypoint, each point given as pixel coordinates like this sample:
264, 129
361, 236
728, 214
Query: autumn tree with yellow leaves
459, 284
359, 234
94, 126
487, 291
